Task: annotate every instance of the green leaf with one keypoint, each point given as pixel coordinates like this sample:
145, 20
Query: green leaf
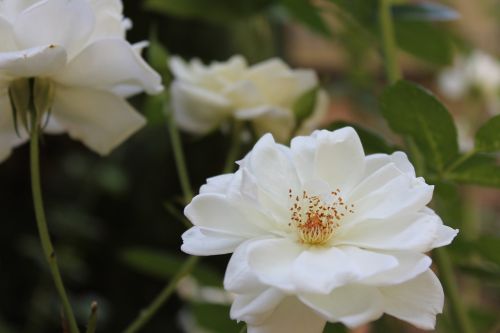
221, 11
424, 41
165, 265
449, 204
372, 142
415, 112
424, 12
307, 13
488, 136
304, 106
479, 170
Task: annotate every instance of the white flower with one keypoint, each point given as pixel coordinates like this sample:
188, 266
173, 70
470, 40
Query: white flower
478, 71
320, 232
79, 47
205, 96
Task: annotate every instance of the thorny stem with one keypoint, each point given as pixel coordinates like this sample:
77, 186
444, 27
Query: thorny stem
43, 231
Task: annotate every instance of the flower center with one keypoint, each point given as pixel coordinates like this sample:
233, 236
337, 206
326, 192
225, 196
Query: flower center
316, 219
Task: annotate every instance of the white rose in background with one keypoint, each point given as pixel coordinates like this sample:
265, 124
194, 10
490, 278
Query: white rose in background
478, 72
77, 46
320, 232
204, 97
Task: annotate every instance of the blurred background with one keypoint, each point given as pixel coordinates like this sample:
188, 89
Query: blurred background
116, 222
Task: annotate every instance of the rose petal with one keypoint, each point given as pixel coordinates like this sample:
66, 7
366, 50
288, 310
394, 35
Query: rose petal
99, 119
38, 61
107, 63
256, 308
352, 305
339, 158
55, 22
291, 316
417, 301
322, 270
215, 212
202, 242
276, 269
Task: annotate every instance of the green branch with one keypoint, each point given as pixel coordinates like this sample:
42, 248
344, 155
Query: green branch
43, 231
388, 41
146, 314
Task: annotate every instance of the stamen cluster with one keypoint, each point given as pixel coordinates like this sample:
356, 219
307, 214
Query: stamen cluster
315, 219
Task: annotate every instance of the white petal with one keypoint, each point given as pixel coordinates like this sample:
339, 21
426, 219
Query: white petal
215, 212
400, 160
198, 110
399, 196
275, 175
272, 260
353, 305
417, 301
303, 149
410, 265
272, 119
254, 309
218, 184
59, 22
444, 234
202, 242
291, 316
7, 42
322, 270
339, 158
38, 61
109, 19
239, 277
101, 120
412, 232
107, 63
8, 136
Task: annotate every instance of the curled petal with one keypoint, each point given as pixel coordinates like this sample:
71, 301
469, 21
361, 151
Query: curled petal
37, 61
202, 242
101, 120
256, 308
107, 63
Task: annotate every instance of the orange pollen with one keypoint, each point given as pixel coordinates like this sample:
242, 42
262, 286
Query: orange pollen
316, 220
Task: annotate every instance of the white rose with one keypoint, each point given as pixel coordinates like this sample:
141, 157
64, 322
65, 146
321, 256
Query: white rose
205, 96
79, 47
320, 232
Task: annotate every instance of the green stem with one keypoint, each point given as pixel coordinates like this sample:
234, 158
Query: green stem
446, 274
388, 41
244, 329
92, 323
234, 149
43, 231
158, 302
180, 160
